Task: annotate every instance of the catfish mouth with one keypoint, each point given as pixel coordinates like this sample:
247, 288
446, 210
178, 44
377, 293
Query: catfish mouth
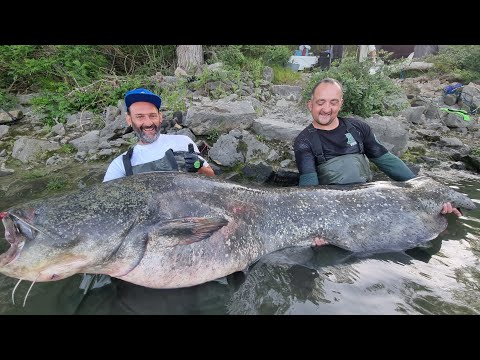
17, 231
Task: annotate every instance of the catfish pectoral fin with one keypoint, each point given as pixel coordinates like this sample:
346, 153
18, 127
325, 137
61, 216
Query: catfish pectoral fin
187, 230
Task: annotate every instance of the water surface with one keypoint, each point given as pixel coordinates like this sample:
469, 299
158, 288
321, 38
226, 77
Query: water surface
442, 278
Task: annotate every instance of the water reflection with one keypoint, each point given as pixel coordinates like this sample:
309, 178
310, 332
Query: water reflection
394, 283
126, 299
116, 298
52, 298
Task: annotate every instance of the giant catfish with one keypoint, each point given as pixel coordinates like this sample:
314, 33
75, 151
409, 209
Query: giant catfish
170, 230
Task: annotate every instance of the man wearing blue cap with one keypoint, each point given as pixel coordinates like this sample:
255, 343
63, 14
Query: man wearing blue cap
154, 151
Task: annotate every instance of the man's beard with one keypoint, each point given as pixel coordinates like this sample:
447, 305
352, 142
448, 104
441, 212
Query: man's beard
148, 139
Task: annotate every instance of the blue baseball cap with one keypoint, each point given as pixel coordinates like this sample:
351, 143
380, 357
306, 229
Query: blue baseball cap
142, 94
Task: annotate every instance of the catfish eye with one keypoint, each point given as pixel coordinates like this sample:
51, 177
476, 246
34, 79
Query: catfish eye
24, 229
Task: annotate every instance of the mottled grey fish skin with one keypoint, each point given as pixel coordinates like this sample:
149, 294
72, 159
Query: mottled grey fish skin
169, 230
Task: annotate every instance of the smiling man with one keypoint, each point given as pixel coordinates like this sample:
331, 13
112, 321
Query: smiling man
336, 150
154, 151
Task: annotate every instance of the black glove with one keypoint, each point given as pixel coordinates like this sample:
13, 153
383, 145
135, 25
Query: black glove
192, 162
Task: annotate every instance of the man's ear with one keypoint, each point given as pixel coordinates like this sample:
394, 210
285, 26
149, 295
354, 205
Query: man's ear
128, 118
309, 104
160, 116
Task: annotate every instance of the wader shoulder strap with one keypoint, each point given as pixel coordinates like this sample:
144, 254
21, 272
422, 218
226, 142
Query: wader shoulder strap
127, 164
356, 135
316, 143
171, 159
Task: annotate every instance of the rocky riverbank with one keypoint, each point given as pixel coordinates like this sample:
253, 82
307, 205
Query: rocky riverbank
246, 136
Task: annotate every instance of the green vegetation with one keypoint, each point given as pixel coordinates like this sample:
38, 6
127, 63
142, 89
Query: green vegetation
260, 138
72, 78
174, 99
460, 61
283, 75
250, 58
67, 149
218, 93
476, 151
213, 135
410, 156
8, 100
242, 147
56, 183
36, 174
237, 168
80, 77
37, 67
238, 56
90, 77
64, 100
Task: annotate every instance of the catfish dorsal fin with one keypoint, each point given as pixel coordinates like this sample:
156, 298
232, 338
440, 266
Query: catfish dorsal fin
184, 231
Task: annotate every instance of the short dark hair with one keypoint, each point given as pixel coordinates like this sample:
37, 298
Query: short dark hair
326, 81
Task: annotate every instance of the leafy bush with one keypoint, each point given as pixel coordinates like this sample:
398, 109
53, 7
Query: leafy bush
174, 100
64, 100
36, 67
255, 68
232, 77
7, 100
72, 78
140, 59
462, 61
251, 58
236, 56
365, 94
269, 54
231, 56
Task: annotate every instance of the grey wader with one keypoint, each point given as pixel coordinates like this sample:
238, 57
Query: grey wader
172, 161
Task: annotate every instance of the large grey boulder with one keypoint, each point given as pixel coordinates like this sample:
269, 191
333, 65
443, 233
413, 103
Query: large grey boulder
29, 150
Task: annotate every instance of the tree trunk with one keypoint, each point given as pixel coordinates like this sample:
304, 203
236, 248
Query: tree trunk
189, 57
337, 52
365, 51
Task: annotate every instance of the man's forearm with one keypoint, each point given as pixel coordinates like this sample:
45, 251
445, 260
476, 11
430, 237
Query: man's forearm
394, 167
308, 179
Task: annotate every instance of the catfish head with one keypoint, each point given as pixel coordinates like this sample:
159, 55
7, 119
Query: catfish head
48, 244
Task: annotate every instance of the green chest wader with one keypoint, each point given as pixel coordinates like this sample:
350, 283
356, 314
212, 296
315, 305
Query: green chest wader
345, 169
172, 161
341, 170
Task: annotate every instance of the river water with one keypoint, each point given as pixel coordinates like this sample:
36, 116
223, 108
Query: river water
442, 278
